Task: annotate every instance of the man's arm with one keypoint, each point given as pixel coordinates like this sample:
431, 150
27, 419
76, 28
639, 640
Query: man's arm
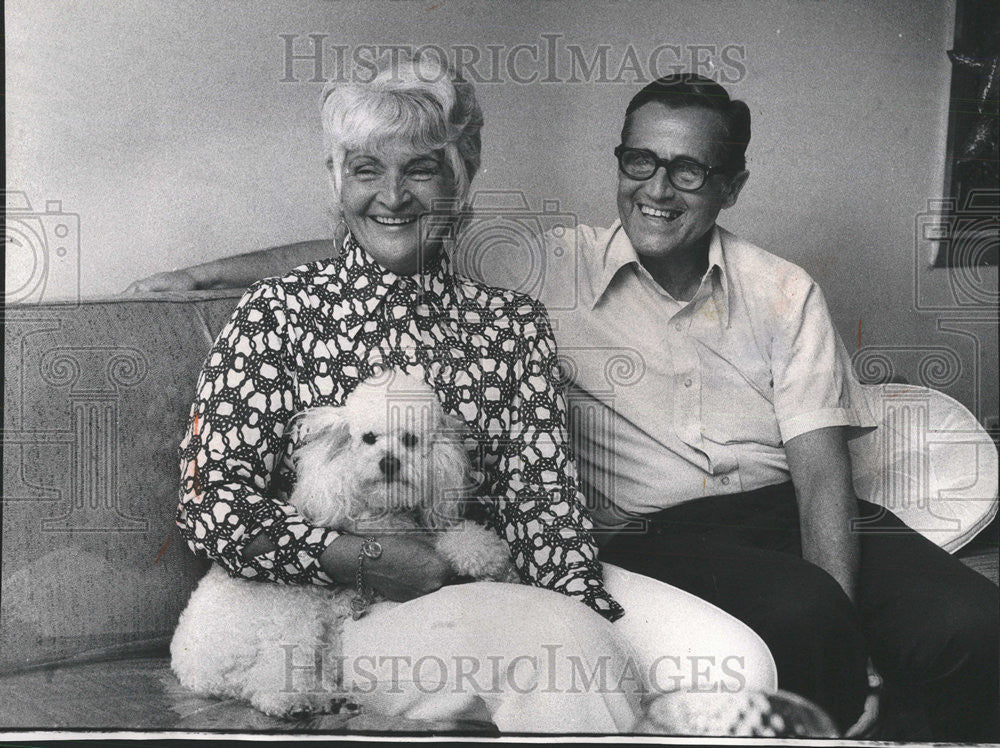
820, 464
239, 271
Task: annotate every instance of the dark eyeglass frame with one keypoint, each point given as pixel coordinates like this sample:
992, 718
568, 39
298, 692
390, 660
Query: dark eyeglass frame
666, 164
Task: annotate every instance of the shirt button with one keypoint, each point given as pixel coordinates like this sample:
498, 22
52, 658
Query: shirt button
725, 480
687, 382
678, 326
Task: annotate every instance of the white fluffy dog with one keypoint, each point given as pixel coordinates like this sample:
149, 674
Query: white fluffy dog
388, 460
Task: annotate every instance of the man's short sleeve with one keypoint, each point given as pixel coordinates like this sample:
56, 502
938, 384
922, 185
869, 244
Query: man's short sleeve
814, 382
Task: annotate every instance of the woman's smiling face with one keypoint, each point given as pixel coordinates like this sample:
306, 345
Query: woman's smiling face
384, 192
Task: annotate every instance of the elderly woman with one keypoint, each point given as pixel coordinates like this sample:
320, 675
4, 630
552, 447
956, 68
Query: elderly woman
397, 148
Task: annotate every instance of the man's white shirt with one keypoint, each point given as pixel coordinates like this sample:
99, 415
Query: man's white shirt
670, 400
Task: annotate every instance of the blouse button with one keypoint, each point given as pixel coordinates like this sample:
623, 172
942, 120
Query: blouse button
678, 326
725, 480
688, 383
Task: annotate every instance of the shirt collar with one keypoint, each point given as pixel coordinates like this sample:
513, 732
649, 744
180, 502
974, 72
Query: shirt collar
434, 280
619, 252
720, 275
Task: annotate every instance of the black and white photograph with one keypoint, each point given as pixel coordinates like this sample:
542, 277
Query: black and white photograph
478, 370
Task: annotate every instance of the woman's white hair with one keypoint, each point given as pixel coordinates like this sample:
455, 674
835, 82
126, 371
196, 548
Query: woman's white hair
418, 99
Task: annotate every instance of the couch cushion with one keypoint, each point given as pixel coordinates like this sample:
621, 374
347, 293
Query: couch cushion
95, 401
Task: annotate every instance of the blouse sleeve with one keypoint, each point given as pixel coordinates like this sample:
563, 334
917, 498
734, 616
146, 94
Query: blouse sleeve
540, 509
244, 399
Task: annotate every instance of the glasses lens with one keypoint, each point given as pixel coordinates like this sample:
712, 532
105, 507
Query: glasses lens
686, 175
637, 164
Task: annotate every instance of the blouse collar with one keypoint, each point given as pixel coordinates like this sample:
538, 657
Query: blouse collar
435, 278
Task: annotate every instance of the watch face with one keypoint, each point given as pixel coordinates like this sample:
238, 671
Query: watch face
371, 548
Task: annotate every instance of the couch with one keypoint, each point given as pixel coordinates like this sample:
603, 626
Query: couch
94, 573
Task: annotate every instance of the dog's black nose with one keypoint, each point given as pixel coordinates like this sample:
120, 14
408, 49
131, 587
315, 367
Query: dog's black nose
389, 466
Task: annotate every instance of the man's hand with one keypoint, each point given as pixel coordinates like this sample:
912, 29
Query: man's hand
172, 280
866, 723
239, 271
408, 567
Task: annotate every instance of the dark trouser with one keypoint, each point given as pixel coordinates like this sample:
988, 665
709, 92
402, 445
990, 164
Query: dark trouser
930, 624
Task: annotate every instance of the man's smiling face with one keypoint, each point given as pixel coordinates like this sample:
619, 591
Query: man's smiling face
659, 219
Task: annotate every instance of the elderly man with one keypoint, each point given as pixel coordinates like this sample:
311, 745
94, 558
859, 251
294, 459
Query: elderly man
723, 468
729, 451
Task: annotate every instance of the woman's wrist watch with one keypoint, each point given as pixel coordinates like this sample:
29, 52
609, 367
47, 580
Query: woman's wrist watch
372, 549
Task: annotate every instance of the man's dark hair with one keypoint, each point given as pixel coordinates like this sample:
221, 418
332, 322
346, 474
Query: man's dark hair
688, 90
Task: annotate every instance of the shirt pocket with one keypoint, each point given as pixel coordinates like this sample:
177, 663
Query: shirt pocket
737, 397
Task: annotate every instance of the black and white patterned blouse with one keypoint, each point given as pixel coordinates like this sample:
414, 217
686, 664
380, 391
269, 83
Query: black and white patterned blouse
309, 338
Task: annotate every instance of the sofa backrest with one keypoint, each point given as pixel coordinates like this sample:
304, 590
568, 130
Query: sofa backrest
96, 395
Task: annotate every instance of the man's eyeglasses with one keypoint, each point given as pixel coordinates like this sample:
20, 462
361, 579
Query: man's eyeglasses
684, 173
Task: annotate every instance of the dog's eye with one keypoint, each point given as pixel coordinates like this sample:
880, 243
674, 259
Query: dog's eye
409, 440
368, 437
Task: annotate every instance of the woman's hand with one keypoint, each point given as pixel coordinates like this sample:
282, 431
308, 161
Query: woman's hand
408, 567
173, 280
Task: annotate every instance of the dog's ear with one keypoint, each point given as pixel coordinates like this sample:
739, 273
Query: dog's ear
450, 460
451, 472
337, 438
325, 428
322, 486
449, 426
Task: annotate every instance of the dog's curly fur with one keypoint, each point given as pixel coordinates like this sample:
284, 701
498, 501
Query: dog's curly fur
386, 461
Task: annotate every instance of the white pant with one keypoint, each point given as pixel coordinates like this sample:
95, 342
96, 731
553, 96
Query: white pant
532, 660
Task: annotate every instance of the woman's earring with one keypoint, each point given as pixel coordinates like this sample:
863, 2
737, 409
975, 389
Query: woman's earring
341, 232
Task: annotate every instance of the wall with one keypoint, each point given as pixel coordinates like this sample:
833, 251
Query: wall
167, 129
